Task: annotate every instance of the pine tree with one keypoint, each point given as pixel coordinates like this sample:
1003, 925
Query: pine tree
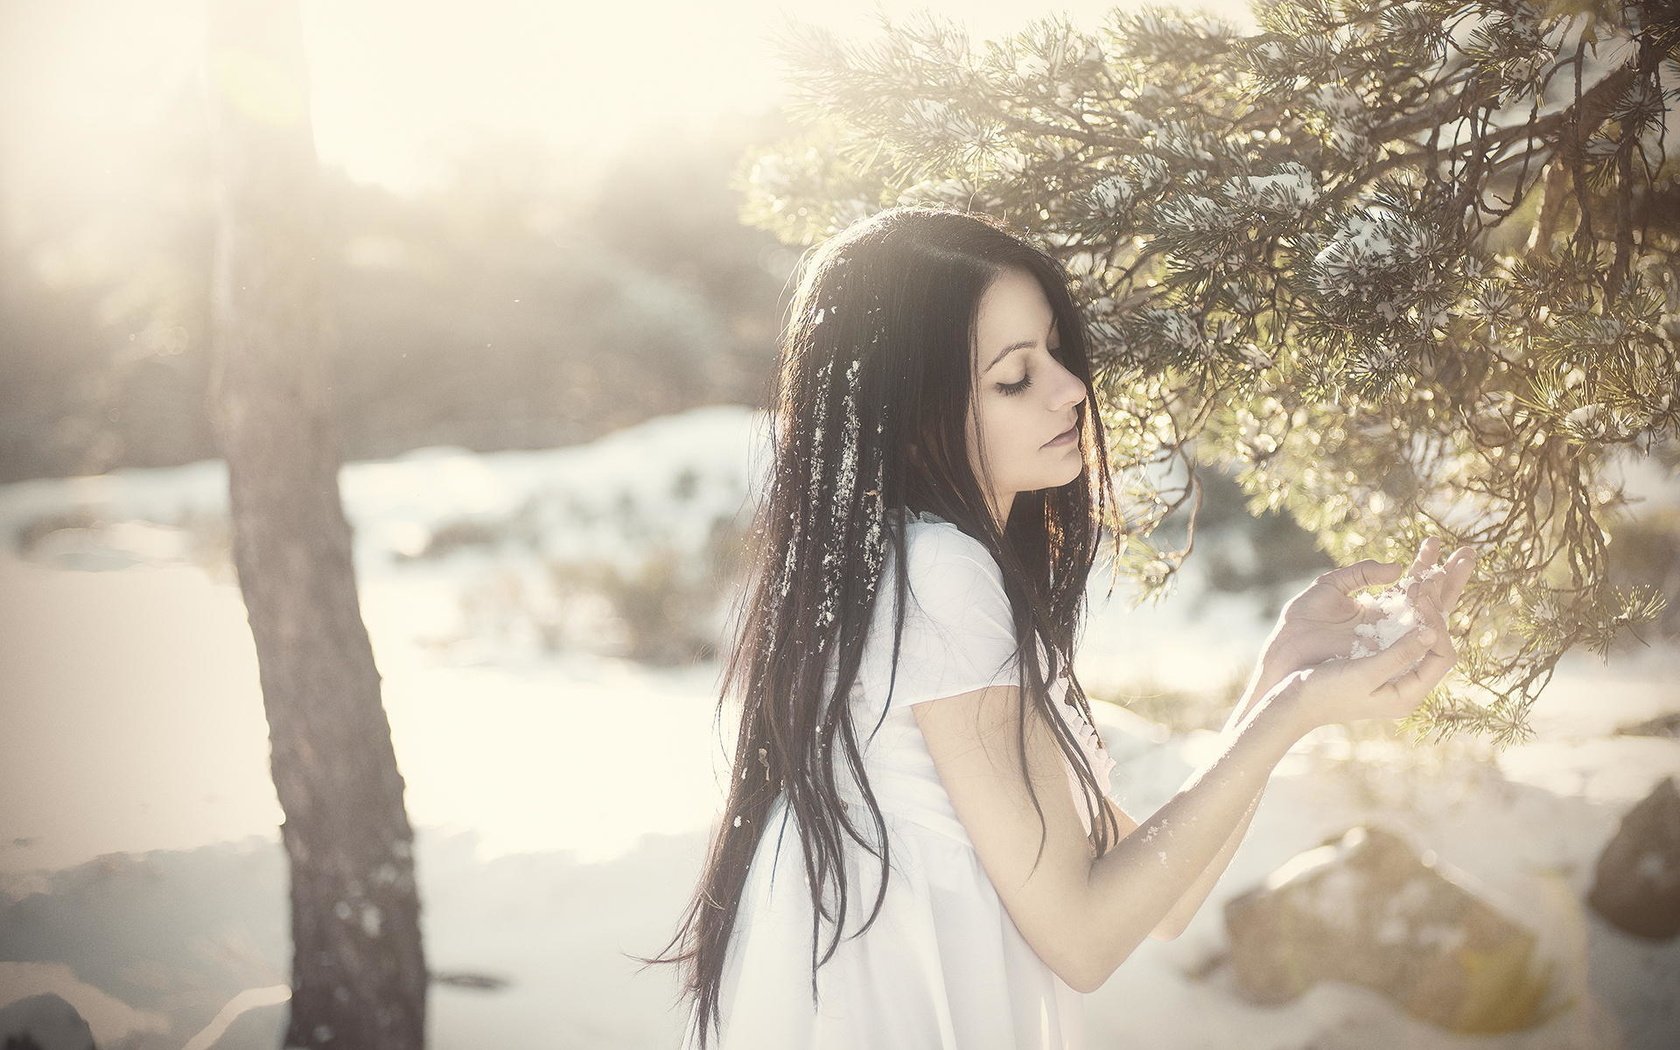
1404, 268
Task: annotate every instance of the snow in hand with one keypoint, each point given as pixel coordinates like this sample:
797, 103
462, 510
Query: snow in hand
1399, 615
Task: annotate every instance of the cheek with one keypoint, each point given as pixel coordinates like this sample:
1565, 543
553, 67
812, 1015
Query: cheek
1000, 431
979, 418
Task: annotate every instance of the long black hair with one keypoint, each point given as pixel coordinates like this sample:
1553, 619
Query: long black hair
870, 406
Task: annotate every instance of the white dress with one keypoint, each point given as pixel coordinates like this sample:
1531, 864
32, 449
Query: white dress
943, 967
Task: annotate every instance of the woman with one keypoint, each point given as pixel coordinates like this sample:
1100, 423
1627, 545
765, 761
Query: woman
936, 498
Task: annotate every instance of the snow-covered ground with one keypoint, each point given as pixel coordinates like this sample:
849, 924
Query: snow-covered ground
562, 800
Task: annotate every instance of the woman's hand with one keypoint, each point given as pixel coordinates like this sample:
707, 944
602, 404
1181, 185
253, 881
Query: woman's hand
1326, 621
1388, 684
1323, 621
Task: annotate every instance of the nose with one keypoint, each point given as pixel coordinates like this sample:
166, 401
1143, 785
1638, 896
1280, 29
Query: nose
1069, 391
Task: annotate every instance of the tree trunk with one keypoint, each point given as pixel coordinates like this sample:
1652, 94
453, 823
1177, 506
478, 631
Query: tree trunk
358, 970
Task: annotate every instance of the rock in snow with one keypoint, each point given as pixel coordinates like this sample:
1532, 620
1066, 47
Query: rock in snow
1636, 887
46, 1022
1364, 907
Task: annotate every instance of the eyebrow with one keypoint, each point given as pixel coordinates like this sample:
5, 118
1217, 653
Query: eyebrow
1023, 344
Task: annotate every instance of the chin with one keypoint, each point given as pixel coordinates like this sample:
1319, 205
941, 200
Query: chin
1063, 479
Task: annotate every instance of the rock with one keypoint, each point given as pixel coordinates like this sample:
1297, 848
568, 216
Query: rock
44, 1022
1662, 725
1636, 887
1365, 908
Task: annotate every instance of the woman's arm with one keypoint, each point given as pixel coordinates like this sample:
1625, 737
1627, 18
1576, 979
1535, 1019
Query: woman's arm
1082, 916
1261, 682
1135, 886
1085, 917
1175, 921
1187, 832
1191, 901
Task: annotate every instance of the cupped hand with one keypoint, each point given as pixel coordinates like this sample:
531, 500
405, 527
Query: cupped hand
1387, 684
1323, 622
1327, 621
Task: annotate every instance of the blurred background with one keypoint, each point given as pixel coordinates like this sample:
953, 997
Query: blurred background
553, 338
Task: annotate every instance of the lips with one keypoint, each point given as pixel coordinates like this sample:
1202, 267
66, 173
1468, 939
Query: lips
1066, 433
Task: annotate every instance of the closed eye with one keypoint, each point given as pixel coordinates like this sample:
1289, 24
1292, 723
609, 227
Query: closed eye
1011, 389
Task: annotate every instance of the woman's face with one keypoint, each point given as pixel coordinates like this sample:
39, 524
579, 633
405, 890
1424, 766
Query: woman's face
1024, 401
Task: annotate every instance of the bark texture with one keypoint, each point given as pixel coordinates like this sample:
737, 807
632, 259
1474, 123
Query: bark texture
358, 968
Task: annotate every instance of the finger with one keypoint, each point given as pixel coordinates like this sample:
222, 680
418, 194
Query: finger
1432, 616
1406, 690
1448, 583
1406, 651
1359, 575
1429, 552
1459, 567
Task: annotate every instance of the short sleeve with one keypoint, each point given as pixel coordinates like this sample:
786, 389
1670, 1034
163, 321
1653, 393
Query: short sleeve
959, 635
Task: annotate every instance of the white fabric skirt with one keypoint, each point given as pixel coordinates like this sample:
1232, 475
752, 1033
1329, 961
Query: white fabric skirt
943, 967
